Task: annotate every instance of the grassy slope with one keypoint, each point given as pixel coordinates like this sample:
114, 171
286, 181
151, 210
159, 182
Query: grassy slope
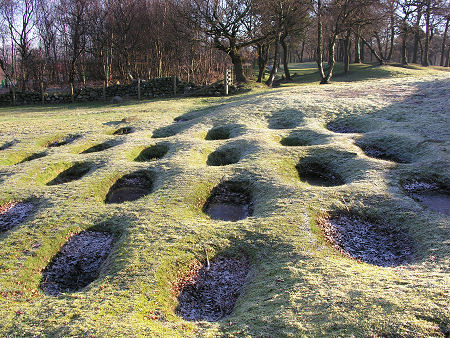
306, 73
299, 284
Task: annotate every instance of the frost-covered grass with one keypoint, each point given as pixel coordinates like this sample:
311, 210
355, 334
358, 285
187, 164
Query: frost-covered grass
299, 284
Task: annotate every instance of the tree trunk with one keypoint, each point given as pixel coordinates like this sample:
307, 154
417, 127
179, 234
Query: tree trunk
417, 35
325, 78
320, 41
380, 47
361, 48
287, 74
374, 53
347, 53
340, 51
263, 57
391, 48
404, 52
331, 61
444, 40
302, 51
236, 59
357, 49
447, 58
276, 61
425, 61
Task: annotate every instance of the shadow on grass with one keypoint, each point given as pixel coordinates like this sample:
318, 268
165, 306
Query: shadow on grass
421, 144
307, 73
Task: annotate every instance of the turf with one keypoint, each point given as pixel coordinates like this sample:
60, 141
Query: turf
299, 285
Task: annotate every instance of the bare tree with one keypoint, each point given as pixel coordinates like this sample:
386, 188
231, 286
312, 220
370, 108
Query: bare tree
444, 40
20, 18
225, 22
340, 17
47, 32
72, 17
285, 18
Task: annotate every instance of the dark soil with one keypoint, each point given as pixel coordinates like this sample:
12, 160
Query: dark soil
8, 145
431, 195
155, 152
211, 293
123, 131
34, 156
99, 147
373, 243
376, 152
74, 173
130, 187
229, 201
78, 263
63, 141
218, 133
316, 173
13, 214
223, 157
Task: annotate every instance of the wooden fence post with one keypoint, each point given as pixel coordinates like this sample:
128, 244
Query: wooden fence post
174, 85
139, 89
13, 92
226, 82
71, 93
42, 92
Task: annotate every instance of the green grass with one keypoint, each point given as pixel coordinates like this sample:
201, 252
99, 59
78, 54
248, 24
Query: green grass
299, 285
307, 73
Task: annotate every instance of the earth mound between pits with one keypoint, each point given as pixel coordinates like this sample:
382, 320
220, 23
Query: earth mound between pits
130, 188
78, 263
315, 173
14, 213
76, 172
210, 293
229, 201
374, 243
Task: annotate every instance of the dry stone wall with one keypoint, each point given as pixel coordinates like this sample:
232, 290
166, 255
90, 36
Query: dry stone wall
160, 87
